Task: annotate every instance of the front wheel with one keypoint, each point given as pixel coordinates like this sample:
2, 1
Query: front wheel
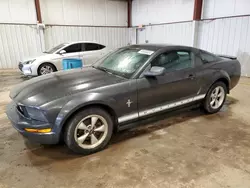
215, 98
89, 131
46, 68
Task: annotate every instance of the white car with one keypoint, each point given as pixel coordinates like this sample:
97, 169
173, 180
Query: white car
51, 60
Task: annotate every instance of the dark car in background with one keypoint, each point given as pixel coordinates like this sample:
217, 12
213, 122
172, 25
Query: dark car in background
85, 106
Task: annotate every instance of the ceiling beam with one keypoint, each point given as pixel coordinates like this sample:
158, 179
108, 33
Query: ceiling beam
38, 11
129, 13
197, 9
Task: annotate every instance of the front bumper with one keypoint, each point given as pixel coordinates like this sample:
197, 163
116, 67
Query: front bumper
20, 123
25, 69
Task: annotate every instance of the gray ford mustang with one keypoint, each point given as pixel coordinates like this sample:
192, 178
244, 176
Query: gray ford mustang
84, 106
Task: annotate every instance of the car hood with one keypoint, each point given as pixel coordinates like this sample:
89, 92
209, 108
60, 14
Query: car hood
43, 89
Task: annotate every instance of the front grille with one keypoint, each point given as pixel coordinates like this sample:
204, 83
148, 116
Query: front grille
20, 66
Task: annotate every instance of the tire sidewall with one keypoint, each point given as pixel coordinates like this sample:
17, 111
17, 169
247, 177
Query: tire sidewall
72, 124
207, 105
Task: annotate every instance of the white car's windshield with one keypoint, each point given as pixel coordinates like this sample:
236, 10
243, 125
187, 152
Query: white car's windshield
54, 49
124, 62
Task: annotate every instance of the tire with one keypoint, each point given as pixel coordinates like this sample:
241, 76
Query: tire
46, 68
79, 137
215, 98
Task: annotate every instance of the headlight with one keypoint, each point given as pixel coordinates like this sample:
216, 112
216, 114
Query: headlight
36, 114
30, 62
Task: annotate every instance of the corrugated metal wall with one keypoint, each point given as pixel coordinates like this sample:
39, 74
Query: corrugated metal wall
85, 12
17, 42
66, 12
177, 33
112, 37
161, 11
229, 36
223, 8
17, 11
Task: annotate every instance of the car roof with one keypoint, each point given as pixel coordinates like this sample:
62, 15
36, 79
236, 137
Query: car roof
156, 47
73, 42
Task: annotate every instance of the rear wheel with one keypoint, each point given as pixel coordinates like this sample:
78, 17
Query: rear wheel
46, 68
89, 131
215, 97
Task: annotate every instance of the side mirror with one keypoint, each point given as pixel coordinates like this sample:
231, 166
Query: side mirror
205, 61
62, 52
155, 71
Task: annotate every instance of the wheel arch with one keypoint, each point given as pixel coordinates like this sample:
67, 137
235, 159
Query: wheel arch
220, 76
79, 108
225, 81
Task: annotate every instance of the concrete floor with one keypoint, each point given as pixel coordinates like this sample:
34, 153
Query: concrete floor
188, 150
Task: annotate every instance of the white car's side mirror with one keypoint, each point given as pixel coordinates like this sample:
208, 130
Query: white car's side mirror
62, 52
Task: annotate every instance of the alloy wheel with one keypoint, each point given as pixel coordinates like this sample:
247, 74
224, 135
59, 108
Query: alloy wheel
91, 131
217, 97
46, 69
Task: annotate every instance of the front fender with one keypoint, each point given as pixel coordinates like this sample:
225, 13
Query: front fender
78, 102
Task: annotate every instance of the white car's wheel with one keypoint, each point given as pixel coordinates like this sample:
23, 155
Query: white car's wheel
46, 68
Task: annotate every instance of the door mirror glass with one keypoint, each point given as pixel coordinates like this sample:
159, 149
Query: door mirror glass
155, 71
62, 52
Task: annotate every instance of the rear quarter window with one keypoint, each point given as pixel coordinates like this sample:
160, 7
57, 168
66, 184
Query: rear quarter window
207, 57
101, 46
93, 46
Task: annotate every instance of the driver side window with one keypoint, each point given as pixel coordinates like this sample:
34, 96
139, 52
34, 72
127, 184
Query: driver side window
174, 60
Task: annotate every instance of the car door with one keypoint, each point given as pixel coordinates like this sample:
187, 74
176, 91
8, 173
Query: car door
91, 52
178, 85
71, 51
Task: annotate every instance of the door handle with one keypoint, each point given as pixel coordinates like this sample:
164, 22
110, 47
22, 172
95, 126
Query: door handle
191, 76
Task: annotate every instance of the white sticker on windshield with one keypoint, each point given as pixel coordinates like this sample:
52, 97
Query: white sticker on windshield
146, 52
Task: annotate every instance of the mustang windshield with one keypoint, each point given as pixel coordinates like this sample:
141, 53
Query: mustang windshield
124, 62
54, 49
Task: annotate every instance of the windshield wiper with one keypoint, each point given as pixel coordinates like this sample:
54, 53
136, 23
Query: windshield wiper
110, 71
102, 69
